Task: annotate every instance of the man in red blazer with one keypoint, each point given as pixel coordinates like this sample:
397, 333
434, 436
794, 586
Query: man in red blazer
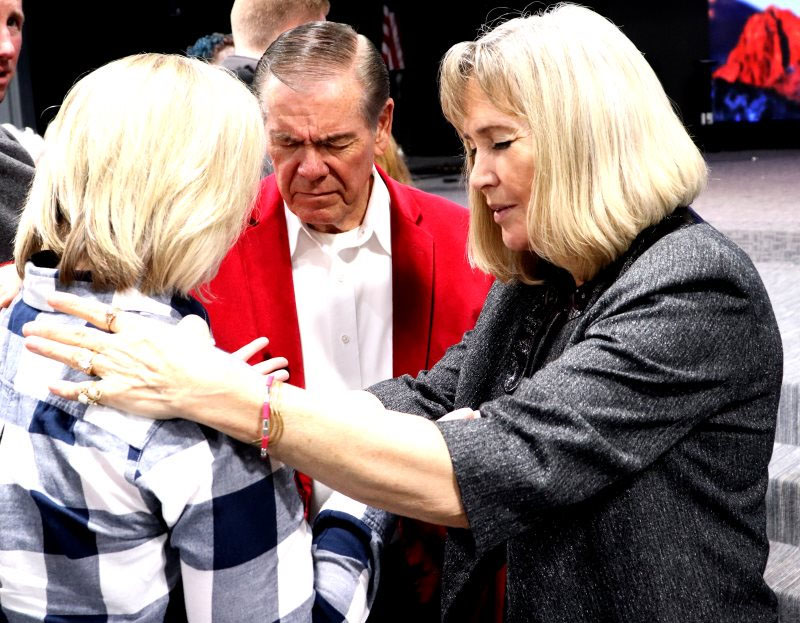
325, 94
436, 295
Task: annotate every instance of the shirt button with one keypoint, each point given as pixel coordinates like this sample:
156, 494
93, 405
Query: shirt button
345, 339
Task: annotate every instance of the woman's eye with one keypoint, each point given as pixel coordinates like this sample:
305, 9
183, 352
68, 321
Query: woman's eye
502, 145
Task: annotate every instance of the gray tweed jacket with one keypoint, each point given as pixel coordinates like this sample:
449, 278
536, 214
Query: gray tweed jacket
16, 172
620, 463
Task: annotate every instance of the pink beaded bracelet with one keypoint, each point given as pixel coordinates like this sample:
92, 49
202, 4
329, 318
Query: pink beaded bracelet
265, 413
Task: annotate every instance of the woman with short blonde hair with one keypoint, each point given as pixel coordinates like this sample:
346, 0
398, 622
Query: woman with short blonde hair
150, 170
605, 429
109, 195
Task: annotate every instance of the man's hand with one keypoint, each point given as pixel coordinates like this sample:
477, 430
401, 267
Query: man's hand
276, 366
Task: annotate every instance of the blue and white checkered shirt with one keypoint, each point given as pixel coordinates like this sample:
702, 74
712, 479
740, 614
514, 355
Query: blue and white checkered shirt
106, 516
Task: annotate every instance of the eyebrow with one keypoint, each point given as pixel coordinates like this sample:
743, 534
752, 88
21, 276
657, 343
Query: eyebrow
487, 129
331, 138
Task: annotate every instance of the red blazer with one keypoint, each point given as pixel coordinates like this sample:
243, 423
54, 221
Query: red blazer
436, 295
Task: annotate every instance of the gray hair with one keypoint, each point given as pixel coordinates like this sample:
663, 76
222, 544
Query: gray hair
319, 51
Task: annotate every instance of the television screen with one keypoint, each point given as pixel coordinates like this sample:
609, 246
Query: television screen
755, 48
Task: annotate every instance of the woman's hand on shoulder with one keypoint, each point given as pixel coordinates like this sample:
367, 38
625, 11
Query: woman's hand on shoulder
146, 367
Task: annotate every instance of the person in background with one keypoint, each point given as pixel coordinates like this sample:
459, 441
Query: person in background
257, 23
103, 514
214, 48
16, 163
607, 425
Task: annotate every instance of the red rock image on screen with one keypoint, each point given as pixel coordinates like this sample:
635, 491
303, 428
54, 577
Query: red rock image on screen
767, 55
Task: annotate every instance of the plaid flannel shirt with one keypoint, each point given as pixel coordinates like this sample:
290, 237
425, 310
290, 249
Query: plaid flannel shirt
106, 516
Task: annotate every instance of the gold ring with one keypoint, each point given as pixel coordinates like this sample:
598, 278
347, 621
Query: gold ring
83, 361
90, 395
111, 316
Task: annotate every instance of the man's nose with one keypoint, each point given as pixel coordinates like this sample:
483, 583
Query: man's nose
313, 165
6, 42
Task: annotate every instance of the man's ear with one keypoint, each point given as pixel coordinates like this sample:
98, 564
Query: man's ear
383, 132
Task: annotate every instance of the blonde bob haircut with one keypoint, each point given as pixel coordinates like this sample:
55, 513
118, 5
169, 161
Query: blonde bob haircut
611, 156
150, 169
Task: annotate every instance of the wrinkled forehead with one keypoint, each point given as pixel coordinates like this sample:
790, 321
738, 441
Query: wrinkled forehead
8, 7
11, 5
298, 88
314, 112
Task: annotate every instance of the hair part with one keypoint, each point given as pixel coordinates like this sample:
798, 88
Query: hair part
257, 23
150, 169
320, 51
611, 156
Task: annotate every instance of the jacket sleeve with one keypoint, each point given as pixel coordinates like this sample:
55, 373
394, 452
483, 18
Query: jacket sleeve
665, 348
348, 542
432, 393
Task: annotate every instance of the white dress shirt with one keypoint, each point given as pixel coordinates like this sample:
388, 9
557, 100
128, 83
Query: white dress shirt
343, 291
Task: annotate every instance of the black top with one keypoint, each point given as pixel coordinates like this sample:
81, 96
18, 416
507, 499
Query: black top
243, 66
16, 173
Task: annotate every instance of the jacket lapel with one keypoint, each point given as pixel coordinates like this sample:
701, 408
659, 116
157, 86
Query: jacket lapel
266, 260
412, 282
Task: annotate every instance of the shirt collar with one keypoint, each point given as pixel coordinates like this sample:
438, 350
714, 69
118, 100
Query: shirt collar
377, 219
40, 282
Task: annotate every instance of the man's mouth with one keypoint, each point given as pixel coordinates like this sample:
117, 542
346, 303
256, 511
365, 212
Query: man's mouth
315, 193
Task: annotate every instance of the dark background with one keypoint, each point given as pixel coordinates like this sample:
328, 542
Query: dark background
65, 40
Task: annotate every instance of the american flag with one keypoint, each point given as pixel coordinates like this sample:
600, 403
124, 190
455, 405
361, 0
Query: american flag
391, 50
